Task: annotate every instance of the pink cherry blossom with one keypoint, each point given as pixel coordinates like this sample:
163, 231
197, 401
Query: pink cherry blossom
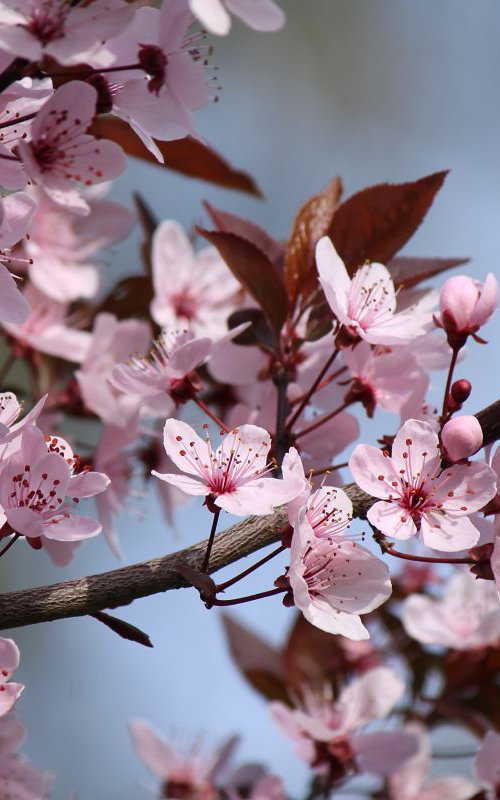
366, 305
157, 99
466, 305
16, 215
19, 779
60, 157
9, 662
47, 329
56, 28
412, 780
466, 617
338, 724
35, 483
487, 765
235, 474
333, 580
112, 341
17, 104
461, 437
191, 289
195, 772
417, 496
11, 427
63, 246
383, 378
262, 15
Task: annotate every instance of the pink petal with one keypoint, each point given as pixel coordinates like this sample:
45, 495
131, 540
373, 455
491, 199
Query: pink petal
87, 484
9, 656
13, 306
212, 15
262, 15
71, 528
374, 472
383, 752
419, 442
391, 520
152, 748
183, 482
9, 693
183, 446
333, 277
448, 534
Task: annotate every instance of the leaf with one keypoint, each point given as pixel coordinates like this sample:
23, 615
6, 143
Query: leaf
148, 223
231, 223
374, 224
258, 661
188, 156
130, 297
311, 223
124, 629
200, 580
407, 271
256, 273
320, 321
312, 657
259, 333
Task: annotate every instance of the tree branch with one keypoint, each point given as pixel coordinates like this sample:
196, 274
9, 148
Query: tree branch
119, 587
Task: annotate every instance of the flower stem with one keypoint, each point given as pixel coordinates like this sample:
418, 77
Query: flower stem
425, 559
321, 421
326, 470
221, 587
248, 598
210, 414
298, 411
449, 379
211, 538
9, 544
281, 444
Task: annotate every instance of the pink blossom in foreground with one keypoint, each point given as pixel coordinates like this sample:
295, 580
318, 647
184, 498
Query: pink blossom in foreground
366, 305
157, 99
16, 216
11, 427
333, 580
262, 15
193, 774
235, 474
60, 156
336, 725
466, 305
412, 780
9, 662
417, 496
17, 104
47, 330
194, 290
34, 486
487, 765
466, 617
461, 437
56, 28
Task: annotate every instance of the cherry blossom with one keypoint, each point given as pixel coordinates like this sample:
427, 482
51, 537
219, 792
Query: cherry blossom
337, 725
60, 156
466, 617
412, 781
16, 216
194, 774
417, 496
461, 437
191, 289
11, 427
19, 779
56, 28
17, 105
9, 662
487, 765
236, 474
366, 305
262, 15
466, 305
34, 485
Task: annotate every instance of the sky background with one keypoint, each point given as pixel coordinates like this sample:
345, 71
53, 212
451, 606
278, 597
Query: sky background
374, 91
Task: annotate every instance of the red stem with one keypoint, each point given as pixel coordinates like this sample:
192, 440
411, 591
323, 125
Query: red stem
298, 411
426, 559
449, 379
210, 414
321, 421
248, 598
223, 586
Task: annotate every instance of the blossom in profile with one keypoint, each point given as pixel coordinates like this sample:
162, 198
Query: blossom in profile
236, 474
325, 728
417, 496
412, 780
466, 305
262, 15
60, 156
366, 304
9, 662
192, 774
487, 765
467, 616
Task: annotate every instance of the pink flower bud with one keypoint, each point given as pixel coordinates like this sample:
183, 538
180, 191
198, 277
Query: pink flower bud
461, 437
466, 305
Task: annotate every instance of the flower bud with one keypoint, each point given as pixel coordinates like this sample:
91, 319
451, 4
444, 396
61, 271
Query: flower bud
466, 305
461, 437
460, 391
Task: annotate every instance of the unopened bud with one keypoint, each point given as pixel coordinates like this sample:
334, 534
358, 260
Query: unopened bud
460, 391
461, 437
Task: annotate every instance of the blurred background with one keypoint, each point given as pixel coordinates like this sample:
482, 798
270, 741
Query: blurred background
372, 90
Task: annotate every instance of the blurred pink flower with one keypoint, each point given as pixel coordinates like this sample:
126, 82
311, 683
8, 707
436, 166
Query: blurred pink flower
262, 15
419, 497
17, 104
9, 662
487, 765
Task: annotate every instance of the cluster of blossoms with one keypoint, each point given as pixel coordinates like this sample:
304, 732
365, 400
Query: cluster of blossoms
270, 348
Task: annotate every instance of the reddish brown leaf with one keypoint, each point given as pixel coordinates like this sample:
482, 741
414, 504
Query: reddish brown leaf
311, 223
374, 224
312, 657
256, 273
320, 320
231, 223
148, 224
188, 156
407, 272
124, 629
131, 297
